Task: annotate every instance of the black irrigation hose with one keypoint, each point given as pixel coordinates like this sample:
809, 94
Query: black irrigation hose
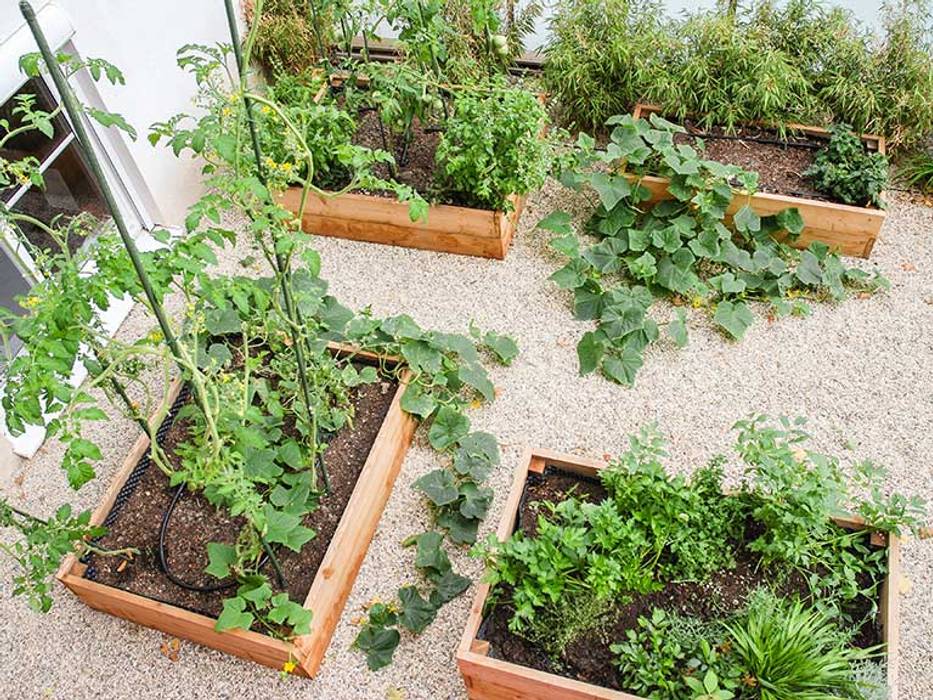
163, 559
269, 556
756, 139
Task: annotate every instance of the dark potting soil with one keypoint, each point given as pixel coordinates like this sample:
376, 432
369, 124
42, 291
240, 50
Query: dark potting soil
588, 657
780, 166
195, 522
415, 164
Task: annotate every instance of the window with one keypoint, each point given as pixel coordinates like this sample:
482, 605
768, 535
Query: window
70, 190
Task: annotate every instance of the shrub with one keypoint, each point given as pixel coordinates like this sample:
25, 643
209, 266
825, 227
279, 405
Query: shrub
492, 147
604, 56
797, 61
847, 171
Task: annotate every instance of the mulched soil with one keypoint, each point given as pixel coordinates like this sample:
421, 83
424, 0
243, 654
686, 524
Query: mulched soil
780, 167
588, 658
195, 522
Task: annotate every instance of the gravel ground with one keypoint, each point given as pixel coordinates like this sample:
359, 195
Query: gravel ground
860, 370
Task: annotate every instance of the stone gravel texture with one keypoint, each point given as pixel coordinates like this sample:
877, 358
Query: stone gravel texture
862, 371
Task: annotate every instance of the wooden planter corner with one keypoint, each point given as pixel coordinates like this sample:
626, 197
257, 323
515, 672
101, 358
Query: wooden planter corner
846, 229
487, 678
331, 585
448, 229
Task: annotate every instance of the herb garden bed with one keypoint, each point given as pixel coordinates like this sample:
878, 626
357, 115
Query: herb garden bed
499, 665
378, 217
363, 461
846, 229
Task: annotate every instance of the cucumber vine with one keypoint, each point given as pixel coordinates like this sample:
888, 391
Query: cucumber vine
688, 249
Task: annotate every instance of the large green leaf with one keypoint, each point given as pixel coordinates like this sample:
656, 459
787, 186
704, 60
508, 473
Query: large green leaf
448, 427
733, 317
439, 486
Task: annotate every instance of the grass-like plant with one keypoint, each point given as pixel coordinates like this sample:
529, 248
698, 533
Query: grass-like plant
792, 652
800, 61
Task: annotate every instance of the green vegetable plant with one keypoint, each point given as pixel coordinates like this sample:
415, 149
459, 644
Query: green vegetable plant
58, 326
265, 391
845, 170
684, 249
493, 148
585, 562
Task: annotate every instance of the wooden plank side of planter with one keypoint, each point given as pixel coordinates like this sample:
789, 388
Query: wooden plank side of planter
332, 583
347, 549
487, 678
847, 229
374, 219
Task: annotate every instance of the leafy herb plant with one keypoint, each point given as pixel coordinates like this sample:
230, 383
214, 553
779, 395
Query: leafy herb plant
684, 249
492, 148
847, 171
654, 538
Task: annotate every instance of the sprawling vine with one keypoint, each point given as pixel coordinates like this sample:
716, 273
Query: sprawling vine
688, 249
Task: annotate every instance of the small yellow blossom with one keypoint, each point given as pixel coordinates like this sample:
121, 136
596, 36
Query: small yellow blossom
289, 666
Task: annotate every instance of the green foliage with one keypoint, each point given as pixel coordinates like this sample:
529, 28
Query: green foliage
653, 529
917, 171
379, 635
793, 493
670, 656
487, 35
684, 249
604, 56
796, 61
794, 653
492, 148
40, 546
847, 171
686, 521
253, 350
306, 144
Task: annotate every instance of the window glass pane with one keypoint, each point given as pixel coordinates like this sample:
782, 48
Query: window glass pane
69, 190
31, 142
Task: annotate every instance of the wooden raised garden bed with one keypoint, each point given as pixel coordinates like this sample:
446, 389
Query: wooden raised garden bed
490, 678
847, 229
374, 219
377, 219
331, 584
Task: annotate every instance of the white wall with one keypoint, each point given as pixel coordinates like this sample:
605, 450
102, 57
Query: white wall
141, 38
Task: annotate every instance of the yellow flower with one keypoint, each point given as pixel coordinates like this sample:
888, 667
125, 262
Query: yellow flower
265, 109
30, 302
289, 666
226, 111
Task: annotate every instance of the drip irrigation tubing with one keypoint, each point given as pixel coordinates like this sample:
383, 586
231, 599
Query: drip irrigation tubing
269, 555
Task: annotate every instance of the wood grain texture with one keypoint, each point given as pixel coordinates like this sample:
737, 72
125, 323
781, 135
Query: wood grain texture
374, 219
487, 678
332, 583
846, 229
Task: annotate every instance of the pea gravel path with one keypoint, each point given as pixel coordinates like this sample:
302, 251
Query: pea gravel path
862, 371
